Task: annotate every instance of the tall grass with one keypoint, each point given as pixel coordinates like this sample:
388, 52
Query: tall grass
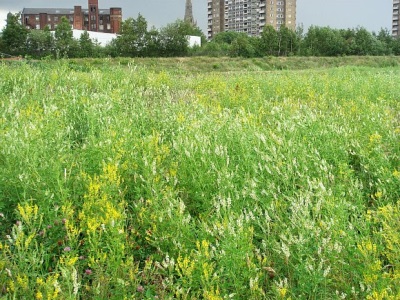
123, 181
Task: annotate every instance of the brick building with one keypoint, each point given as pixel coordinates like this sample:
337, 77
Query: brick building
91, 19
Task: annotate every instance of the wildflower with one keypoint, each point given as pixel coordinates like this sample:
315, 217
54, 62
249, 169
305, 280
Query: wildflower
39, 296
1, 215
88, 272
140, 289
67, 249
282, 292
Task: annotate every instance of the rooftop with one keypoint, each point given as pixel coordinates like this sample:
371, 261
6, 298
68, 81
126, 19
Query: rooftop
58, 11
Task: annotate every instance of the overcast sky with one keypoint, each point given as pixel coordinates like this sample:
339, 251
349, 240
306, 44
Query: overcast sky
371, 14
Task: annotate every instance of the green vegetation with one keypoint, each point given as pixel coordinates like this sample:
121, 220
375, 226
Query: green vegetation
135, 39
123, 179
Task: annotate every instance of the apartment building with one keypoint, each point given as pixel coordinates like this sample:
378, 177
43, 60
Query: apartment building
395, 18
91, 19
249, 16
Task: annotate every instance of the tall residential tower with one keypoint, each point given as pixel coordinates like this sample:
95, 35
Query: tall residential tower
249, 16
395, 18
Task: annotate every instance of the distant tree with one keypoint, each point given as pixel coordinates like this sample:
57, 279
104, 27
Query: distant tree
111, 49
268, 41
214, 49
287, 41
385, 37
86, 45
396, 46
323, 41
1, 43
132, 39
64, 40
14, 35
226, 37
39, 43
366, 43
153, 47
193, 29
300, 36
173, 39
243, 46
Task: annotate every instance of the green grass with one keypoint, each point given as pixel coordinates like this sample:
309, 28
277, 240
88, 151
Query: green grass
150, 178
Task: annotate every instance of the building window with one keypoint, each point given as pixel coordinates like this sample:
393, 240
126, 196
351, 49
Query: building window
108, 26
37, 18
49, 19
101, 27
37, 26
55, 19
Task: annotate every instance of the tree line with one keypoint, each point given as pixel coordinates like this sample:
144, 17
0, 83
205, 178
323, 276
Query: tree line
137, 40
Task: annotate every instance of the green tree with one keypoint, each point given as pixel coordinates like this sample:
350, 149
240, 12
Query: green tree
323, 41
243, 46
214, 49
39, 43
366, 43
287, 41
173, 39
64, 40
153, 43
385, 37
14, 35
226, 37
268, 41
396, 46
86, 45
132, 40
193, 29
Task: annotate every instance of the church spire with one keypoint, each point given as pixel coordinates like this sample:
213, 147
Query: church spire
189, 12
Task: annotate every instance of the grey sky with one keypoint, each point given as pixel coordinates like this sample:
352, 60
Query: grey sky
371, 14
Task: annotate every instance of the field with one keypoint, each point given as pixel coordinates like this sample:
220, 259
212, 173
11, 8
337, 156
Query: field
148, 180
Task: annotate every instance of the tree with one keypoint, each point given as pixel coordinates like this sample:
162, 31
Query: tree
173, 39
64, 40
39, 43
14, 35
268, 44
86, 45
324, 41
287, 41
153, 47
193, 29
226, 37
243, 46
366, 43
132, 39
384, 36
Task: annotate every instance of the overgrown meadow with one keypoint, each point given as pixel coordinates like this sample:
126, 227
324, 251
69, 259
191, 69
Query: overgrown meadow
121, 182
